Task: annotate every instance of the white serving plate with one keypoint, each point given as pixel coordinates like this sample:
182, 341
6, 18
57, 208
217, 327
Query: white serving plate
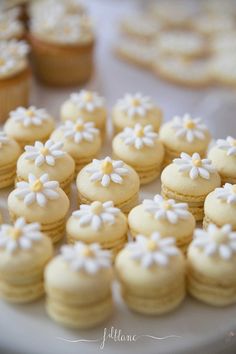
193, 327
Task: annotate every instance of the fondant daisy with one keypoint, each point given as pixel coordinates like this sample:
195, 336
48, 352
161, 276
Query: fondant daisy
189, 128
29, 116
136, 104
97, 214
227, 193
79, 130
216, 241
44, 153
19, 236
87, 100
166, 209
152, 250
88, 258
139, 136
37, 190
107, 171
228, 144
194, 165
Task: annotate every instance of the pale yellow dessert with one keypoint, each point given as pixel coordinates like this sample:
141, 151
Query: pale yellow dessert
211, 266
151, 272
40, 200
24, 252
78, 286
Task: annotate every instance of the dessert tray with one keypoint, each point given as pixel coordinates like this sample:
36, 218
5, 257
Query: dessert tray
194, 327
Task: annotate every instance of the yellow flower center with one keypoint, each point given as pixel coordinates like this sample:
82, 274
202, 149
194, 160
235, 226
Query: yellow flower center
79, 127
37, 186
87, 252
96, 208
166, 206
44, 151
88, 97
197, 163
135, 102
107, 167
151, 245
139, 133
15, 233
29, 113
2, 61
190, 124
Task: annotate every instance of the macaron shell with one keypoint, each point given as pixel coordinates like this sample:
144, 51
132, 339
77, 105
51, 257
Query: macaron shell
225, 165
121, 119
219, 211
144, 223
118, 193
69, 111
179, 144
153, 290
211, 279
181, 183
24, 135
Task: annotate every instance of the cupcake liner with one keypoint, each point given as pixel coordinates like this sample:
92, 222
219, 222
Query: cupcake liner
14, 92
59, 65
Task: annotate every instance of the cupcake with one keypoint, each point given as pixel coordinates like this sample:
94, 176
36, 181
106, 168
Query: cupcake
140, 148
223, 68
184, 134
47, 158
108, 179
40, 200
26, 125
223, 157
100, 223
212, 265
78, 286
24, 252
151, 272
190, 179
89, 106
80, 139
62, 47
9, 153
220, 207
15, 76
165, 216
132, 109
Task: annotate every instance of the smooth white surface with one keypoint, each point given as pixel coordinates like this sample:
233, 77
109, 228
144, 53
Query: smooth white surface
201, 329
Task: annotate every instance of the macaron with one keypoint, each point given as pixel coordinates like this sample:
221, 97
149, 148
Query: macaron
164, 216
24, 253
80, 139
136, 108
185, 134
140, 148
78, 286
47, 158
40, 200
220, 207
100, 223
88, 105
26, 125
223, 157
9, 153
151, 272
211, 266
108, 179
190, 179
